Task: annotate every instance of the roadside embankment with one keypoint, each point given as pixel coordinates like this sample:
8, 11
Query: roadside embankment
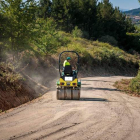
130, 86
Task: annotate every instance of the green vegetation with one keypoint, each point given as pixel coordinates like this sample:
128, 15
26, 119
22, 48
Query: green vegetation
77, 32
47, 27
94, 53
17, 25
133, 39
32, 26
135, 84
137, 28
130, 86
109, 39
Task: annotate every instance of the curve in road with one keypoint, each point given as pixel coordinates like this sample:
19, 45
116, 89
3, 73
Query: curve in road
102, 113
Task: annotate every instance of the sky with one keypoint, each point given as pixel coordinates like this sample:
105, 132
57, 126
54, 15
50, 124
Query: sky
125, 4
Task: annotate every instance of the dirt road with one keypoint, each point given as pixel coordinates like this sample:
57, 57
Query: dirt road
103, 113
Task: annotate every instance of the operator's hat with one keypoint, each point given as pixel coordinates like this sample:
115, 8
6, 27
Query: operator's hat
68, 58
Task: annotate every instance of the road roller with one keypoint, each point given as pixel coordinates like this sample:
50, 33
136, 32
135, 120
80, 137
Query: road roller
68, 85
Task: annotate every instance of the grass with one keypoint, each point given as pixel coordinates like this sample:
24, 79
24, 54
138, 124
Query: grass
124, 86
131, 86
95, 53
135, 84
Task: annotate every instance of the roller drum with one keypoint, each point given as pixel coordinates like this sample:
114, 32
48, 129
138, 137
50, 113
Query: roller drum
60, 94
76, 94
68, 93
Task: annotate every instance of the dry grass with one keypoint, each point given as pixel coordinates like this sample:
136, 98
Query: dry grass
124, 86
95, 54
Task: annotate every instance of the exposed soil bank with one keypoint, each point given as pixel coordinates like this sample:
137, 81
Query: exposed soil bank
12, 98
14, 91
35, 80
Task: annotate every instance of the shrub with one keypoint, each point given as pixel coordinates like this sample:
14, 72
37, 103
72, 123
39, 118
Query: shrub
109, 39
135, 83
77, 32
133, 41
85, 34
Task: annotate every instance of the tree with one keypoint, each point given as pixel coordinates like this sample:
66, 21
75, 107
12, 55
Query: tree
111, 21
86, 15
61, 12
47, 38
44, 9
19, 27
104, 17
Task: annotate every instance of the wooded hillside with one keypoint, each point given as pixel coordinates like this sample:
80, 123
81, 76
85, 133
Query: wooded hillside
134, 12
26, 24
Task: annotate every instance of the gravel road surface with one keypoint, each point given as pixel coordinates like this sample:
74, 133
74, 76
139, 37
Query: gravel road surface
102, 113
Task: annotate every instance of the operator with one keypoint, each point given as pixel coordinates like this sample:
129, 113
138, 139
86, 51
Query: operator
66, 62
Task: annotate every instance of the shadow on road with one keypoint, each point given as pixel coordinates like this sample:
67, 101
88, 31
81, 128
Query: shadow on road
94, 99
85, 84
95, 81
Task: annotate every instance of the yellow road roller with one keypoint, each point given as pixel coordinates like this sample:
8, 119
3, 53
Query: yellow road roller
68, 85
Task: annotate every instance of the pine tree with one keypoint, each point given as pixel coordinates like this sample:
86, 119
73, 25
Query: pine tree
19, 27
61, 12
44, 8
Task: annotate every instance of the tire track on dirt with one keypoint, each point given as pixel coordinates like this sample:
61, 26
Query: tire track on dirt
120, 115
107, 127
55, 132
102, 113
55, 123
126, 112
